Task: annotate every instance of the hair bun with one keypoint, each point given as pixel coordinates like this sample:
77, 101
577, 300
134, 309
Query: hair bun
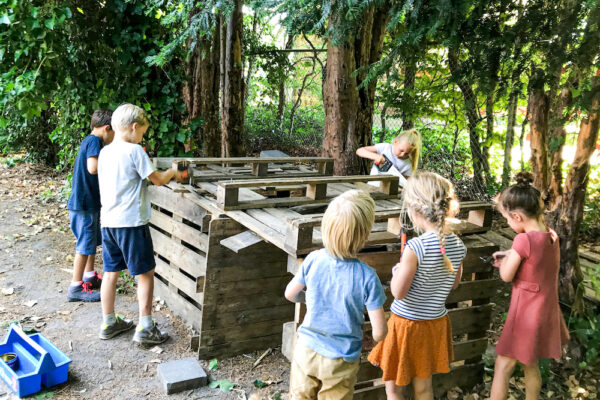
524, 178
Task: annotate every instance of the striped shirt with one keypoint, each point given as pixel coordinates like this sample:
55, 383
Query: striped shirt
426, 298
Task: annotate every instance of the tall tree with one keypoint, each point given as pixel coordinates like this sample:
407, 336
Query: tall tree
348, 98
233, 139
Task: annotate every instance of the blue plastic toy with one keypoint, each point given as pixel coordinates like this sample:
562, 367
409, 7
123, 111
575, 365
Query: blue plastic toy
40, 362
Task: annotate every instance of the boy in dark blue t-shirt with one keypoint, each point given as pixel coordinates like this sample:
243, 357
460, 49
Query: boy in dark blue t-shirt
84, 209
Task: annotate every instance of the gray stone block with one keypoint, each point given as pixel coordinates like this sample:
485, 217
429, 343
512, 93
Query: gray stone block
272, 153
287, 340
181, 375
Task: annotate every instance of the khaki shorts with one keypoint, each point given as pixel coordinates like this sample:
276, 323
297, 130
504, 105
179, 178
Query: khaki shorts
314, 376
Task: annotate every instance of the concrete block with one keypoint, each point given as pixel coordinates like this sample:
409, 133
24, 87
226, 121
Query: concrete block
287, 340
180, 375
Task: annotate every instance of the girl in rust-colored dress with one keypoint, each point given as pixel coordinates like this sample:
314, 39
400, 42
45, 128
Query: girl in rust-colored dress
535, 327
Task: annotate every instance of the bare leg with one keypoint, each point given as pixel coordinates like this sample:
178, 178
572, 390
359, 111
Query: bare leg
79, 264
89, 265
423, 389
108, 291
533, 381
145, 292
393, 391
502, 372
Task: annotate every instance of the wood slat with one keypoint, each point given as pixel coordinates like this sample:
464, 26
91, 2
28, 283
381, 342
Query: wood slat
190, 287
177, 203
180, 230
308, 181
473, 290
179, 255
184, 309
470, 320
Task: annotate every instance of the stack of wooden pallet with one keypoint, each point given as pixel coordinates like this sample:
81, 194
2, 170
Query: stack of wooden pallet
226, 240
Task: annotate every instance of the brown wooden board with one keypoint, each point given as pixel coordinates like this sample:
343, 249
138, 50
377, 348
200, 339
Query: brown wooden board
188, 312
177, 203
188, 260
179, 230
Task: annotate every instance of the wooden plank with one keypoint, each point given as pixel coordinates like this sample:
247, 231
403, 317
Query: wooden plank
238, 347
178, 229
494, 237
190, 287
269, 220
180, 306
267, 233
472, 290
219, 303
469, 349
166, 162
184, 258
232, 334
308, 181
241, 241
177, 203
242, 318
471, 319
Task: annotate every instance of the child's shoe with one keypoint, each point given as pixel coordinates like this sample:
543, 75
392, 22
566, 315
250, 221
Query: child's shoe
149, 336
94, 280
82, 292
120, 326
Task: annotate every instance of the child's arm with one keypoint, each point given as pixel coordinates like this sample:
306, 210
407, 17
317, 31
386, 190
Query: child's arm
370, 152
378, 325
162, 178
294, 292
458, 277
508, 263
92, 165
403, 274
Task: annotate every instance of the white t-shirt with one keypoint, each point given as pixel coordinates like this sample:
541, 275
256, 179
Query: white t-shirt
403, 166
122, 171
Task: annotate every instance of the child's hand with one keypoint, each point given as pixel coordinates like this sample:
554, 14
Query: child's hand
379, 159
177, 176
498, 256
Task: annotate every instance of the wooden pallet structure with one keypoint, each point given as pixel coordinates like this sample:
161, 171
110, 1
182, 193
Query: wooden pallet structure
227, 241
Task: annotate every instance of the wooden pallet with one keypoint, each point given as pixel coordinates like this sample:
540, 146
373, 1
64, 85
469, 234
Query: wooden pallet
470, 314
215, 169
228, 197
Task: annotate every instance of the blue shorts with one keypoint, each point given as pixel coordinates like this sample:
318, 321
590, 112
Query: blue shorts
127, 248
86, 228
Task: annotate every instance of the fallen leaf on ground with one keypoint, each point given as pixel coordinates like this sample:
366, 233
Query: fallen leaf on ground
30, 303
156, 360
8, 291
156, 350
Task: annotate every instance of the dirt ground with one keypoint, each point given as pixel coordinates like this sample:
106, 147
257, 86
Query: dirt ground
36, 250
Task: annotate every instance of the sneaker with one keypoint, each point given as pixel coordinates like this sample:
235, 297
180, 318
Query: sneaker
95, 280
110, 331
82, 292
149, 337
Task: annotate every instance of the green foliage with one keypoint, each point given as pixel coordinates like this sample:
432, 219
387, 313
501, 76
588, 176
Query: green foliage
587, 332
222, 384
213, 364
57, 66
266, 132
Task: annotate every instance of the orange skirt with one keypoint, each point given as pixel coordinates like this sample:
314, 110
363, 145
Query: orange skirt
414, 349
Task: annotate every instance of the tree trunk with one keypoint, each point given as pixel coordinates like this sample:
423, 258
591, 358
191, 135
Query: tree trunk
222, 67
281, 97
410, 71
383, 123
348, 109
251, 59
233, 140
199, 90
510, 136
556, 143
567, 217
538, 108
472, 116
489, 129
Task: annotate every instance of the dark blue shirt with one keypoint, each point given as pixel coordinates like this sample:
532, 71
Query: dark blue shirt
85, 193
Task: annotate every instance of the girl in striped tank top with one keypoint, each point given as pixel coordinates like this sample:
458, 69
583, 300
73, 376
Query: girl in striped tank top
419, 340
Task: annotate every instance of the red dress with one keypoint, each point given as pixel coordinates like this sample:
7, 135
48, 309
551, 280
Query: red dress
534, 327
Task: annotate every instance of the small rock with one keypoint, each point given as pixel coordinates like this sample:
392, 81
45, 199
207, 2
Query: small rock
180, 375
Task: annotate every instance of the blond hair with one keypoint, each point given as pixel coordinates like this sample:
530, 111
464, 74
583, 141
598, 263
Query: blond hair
125, 115
347, 223
412, 137
433, 198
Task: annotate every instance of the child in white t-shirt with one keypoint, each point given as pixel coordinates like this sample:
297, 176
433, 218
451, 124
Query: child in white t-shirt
403, 154
123, 167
